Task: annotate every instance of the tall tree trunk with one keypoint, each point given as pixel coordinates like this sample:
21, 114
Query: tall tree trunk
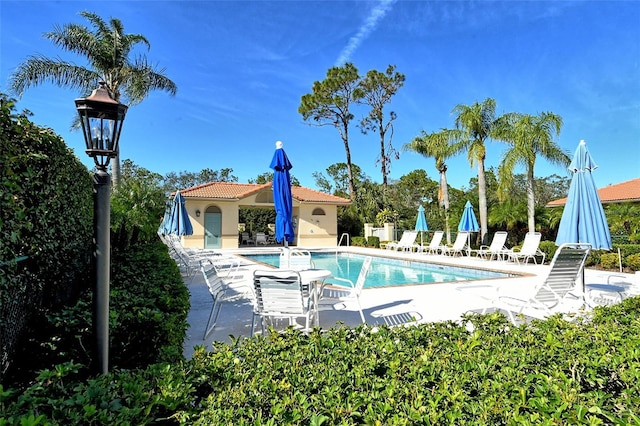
383, 158
444, 192
482, 202
345, 139
531, 201
115, 171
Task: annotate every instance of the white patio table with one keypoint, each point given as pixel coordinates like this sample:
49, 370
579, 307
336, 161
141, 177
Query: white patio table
314, 279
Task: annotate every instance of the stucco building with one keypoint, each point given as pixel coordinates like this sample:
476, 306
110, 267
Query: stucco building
214, 212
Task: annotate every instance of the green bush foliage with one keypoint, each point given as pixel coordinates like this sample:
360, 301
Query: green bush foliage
46, 210
359, 241
594, 257
549, 248
484, 371
609, 260
633, 261
626, 249
148, 318
373, 241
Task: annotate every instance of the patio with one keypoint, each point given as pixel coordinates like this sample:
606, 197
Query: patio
432, 302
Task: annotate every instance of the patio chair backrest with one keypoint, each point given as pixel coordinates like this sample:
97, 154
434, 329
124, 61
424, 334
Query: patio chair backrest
279, 292
408, 238
215, 284
530, 244
362, 276
436, 241
567, 265
461, 240
498, 242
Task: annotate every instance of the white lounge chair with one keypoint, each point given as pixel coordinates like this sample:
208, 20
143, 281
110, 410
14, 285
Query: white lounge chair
406, 243
335, 290
567, 266
459, 245
496, 249
221, 292
435, 245
529, 249
279, 294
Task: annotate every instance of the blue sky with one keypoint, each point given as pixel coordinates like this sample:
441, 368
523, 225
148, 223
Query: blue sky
241, 68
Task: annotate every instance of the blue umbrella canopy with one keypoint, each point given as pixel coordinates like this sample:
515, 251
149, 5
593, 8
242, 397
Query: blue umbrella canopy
468, 222
282, 195
583, 219
179, 223
421, 223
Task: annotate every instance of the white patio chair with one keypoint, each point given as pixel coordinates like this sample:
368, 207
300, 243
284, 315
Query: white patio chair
496, 249
529, 249
459, 245
338, 290
435, 245
261, 238
280, 294
221, 292
406, 243
246, 239
567, 266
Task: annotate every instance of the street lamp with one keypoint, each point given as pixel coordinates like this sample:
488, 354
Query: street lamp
101, 118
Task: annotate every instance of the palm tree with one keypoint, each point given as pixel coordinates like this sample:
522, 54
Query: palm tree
476, 121
529, 136
107, 49
438, 146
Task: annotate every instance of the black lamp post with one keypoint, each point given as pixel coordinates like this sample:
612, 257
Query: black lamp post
101, 118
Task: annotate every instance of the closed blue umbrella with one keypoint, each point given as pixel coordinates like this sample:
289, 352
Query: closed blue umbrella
179, 223
164, 225
421, 223
282, 195
468, 223
583, 219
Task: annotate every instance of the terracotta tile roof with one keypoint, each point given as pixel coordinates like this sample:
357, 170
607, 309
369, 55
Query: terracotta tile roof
236, 191
617, 193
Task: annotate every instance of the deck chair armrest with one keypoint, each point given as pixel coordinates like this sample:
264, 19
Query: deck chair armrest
618, 279
341, 282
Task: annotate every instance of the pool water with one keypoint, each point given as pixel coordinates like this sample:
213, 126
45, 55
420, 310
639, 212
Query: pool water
385, 271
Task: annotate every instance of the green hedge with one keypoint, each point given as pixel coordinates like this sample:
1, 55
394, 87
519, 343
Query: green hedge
484, 371
46, 213
148, 318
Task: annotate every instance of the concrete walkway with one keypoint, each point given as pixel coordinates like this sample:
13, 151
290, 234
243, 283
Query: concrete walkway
428, 303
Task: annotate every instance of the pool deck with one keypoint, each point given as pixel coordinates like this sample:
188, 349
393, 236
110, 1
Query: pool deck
428, 303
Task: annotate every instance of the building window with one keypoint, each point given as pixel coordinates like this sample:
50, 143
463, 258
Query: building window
318, 212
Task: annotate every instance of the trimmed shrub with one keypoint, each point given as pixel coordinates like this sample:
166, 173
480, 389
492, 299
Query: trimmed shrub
46, 210
549, 248
594, 258
633, 261
373, 241
481, 371
148, 311
609, 260
359, 241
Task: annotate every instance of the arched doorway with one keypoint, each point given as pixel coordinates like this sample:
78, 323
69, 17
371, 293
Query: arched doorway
212, 228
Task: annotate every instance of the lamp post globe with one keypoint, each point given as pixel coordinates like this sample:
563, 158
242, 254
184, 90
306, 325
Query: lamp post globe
101, 119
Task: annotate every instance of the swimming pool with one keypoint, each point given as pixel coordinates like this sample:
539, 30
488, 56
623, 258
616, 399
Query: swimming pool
385, 271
